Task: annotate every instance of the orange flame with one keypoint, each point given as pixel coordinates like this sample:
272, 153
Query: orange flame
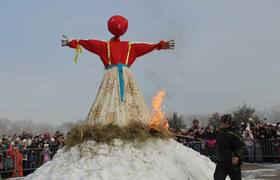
158, 119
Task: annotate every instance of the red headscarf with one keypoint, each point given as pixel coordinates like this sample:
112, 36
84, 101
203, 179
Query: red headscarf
117, 25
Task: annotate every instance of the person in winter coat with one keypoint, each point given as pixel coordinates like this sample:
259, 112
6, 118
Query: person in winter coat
7, 159
1, 156
53, 145
249, 143
229, 149
46, 153
17, 159
24, 152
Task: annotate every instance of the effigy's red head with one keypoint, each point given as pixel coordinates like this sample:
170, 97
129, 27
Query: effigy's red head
117, 25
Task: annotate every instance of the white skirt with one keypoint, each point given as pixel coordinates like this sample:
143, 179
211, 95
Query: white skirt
108, 107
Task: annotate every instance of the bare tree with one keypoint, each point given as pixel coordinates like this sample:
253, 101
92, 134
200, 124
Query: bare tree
176, 122
214, 120
245, 114
66, 126
9, 127
275, 114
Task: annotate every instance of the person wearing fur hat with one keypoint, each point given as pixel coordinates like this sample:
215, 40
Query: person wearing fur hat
119, 100
229, 147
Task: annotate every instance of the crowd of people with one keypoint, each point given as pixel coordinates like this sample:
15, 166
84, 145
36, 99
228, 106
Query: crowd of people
262, 140
21, 154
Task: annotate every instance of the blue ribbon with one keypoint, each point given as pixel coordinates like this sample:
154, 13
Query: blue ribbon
121, 79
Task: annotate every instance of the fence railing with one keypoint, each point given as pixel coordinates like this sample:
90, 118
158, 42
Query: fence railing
257, 150
15, 165
24, 161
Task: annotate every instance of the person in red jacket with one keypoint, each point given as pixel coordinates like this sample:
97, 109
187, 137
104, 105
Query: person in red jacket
119, 100
17, 159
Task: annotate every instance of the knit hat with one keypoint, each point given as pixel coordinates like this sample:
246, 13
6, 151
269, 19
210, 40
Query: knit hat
29, 142
227, 119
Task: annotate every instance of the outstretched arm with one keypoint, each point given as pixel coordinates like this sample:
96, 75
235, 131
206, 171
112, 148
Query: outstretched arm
94, 46
141, 49
212, 135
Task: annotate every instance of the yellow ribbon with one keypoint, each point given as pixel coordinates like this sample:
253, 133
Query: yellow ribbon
78, 51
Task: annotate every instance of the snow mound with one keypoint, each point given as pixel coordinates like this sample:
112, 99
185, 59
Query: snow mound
149, 160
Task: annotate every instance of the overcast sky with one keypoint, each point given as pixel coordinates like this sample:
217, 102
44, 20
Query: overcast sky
227, 53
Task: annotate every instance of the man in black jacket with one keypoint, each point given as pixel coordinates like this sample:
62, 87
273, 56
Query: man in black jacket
229, 149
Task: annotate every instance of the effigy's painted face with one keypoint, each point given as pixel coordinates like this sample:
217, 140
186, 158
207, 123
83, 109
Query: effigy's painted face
117, 25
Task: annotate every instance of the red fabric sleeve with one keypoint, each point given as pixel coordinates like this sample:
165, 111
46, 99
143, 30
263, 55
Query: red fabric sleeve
94, 46
73, 44
140, 49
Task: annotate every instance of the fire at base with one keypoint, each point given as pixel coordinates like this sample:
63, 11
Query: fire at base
158, 118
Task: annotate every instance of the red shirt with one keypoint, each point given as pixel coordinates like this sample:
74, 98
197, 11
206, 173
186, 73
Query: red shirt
118, 50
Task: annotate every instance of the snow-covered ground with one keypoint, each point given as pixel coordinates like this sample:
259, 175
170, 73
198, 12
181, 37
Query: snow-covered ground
261, 171
153, 159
